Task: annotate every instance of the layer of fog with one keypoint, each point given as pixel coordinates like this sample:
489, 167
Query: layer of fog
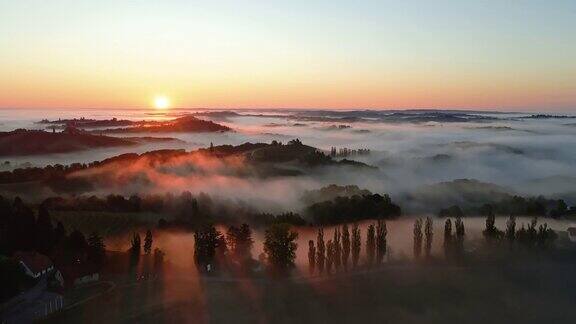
526, 156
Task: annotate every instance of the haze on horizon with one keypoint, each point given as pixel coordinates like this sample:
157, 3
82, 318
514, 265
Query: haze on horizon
274, 54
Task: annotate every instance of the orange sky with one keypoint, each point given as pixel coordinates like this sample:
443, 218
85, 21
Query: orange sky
80, 54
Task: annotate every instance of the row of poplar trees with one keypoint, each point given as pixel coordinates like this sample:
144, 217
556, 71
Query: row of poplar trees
343, 250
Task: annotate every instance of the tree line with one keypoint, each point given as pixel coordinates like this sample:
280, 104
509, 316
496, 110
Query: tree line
516, 205
342, 251
214, 250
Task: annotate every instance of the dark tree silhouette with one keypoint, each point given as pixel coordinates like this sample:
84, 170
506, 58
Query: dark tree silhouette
337, 249
239, 240
135, 249
280, 247
44, 231
417, 238
491, 233
22, 234
206, 240
356, 244
148, 242
345, 246
511, 229
459, 237
370, 245
545, 236
381, 246
329, 256
311, 256
355, 208
321, 250
448, 237
75, 248
429, 232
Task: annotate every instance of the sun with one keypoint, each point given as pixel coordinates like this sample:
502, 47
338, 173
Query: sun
161, 102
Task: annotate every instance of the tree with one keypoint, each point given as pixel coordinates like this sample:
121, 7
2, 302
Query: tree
370, 245
206, 240
75, 248
337, 249
511, 229
239, 240
356, 244
96, 249
381, 232
135, 249
148, 242
532, 233
22, 236
345, 246
44, 231
448, 237
491, 233
329, 256
429, 232
459, 239
280, 247
417, 238
545, 236
321, 250
311, 256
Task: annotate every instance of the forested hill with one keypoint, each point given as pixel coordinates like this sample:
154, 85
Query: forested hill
33, 142
246, 160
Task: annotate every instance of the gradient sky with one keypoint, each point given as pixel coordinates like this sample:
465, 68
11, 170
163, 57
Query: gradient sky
510, 55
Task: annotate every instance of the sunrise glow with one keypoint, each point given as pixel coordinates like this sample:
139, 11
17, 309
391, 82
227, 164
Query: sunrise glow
161, 102
375, 55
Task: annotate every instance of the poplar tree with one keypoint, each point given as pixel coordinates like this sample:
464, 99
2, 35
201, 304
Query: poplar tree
311, 256
329, 256
321, 250
511, 229
460, 232
429, 232
448, 237
356, 244
370, 245
148, 242
337, 249
345, 246
417, 238
135, 249
381, 232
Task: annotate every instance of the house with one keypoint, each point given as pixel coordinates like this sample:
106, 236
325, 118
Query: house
34, 264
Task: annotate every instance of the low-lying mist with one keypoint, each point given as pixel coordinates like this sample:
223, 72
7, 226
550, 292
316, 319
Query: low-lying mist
524, 156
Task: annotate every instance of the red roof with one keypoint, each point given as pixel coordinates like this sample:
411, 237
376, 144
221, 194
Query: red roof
36, 262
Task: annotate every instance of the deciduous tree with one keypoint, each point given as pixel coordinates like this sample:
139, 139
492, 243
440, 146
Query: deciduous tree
280, 246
